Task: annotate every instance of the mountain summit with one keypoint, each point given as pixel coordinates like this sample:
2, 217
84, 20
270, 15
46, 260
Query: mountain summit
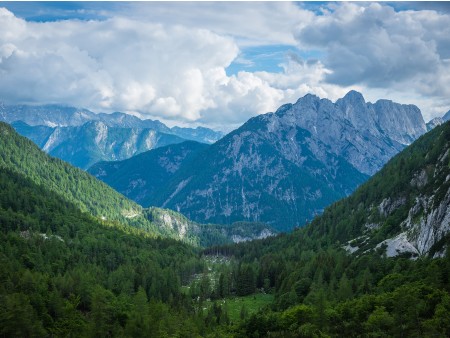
284, 167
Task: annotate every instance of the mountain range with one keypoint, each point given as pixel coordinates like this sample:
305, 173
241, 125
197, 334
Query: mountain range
280, 168
94, 141
104, 204
83, 138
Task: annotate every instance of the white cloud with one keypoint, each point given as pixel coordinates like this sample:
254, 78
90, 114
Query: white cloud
250, 23
168, 61
122, 64
117, 64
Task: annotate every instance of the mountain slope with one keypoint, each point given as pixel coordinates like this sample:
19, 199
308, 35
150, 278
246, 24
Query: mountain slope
140, 177
403, 209
82, 146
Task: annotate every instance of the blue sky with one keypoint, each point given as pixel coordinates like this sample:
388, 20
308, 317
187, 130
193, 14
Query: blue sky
219, 63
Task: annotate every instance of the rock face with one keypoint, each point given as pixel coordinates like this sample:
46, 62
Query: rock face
366, 135
437, 121
409, 201
62, 116
92, 142
283, 168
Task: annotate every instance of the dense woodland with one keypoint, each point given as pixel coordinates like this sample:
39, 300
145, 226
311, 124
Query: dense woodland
65, 273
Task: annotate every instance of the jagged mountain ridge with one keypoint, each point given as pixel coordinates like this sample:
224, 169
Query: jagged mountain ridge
367, 135
64, 116
94, 141
437, 121
285, 167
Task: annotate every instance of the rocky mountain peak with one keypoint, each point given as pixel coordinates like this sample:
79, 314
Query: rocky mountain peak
353, 97
308, 101
281, 168
403, 122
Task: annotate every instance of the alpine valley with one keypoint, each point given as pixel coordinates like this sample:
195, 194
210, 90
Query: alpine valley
280, 168
80, 259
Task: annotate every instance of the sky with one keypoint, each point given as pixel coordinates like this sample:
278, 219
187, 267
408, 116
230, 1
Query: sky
217, 64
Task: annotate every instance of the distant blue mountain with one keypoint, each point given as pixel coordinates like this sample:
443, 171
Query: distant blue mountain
63, 116
83, 138
94, 141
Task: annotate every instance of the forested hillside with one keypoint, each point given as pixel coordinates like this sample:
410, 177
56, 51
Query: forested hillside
325, 286
63, 273
88, 194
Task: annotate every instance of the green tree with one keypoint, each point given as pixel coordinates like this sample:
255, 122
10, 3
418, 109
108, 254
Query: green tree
18, 318
344, 291
380, 323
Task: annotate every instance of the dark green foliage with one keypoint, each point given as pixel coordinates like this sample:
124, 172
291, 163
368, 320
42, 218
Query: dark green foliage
245, 280
64, 273
74, 185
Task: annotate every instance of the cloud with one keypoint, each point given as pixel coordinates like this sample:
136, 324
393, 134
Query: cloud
116, 64
169, 61
247, 94
379, 47
169, 72
250, 23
